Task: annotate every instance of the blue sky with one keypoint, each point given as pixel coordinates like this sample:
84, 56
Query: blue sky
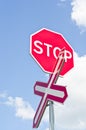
19, 71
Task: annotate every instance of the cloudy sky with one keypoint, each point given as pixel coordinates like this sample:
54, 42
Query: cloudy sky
19, 71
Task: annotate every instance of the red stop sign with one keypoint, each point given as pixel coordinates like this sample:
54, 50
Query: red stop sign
44, 48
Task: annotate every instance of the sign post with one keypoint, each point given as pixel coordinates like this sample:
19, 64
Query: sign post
51, 115
51, 108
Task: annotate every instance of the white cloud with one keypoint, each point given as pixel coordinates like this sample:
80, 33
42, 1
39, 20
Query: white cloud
22, 108
72, 115
78, 13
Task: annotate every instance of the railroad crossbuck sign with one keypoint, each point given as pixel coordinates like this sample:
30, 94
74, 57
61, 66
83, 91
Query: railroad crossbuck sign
44, 48
55, 56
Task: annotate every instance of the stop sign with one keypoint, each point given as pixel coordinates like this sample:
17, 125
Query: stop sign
44, 48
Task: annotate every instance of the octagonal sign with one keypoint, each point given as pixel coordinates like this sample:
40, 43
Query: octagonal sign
44, 48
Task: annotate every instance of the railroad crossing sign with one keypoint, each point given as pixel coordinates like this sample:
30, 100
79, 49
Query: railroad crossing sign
44, 48
50, 91
56, 93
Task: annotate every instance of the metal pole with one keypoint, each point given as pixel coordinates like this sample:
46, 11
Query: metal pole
51, 115
51, 107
